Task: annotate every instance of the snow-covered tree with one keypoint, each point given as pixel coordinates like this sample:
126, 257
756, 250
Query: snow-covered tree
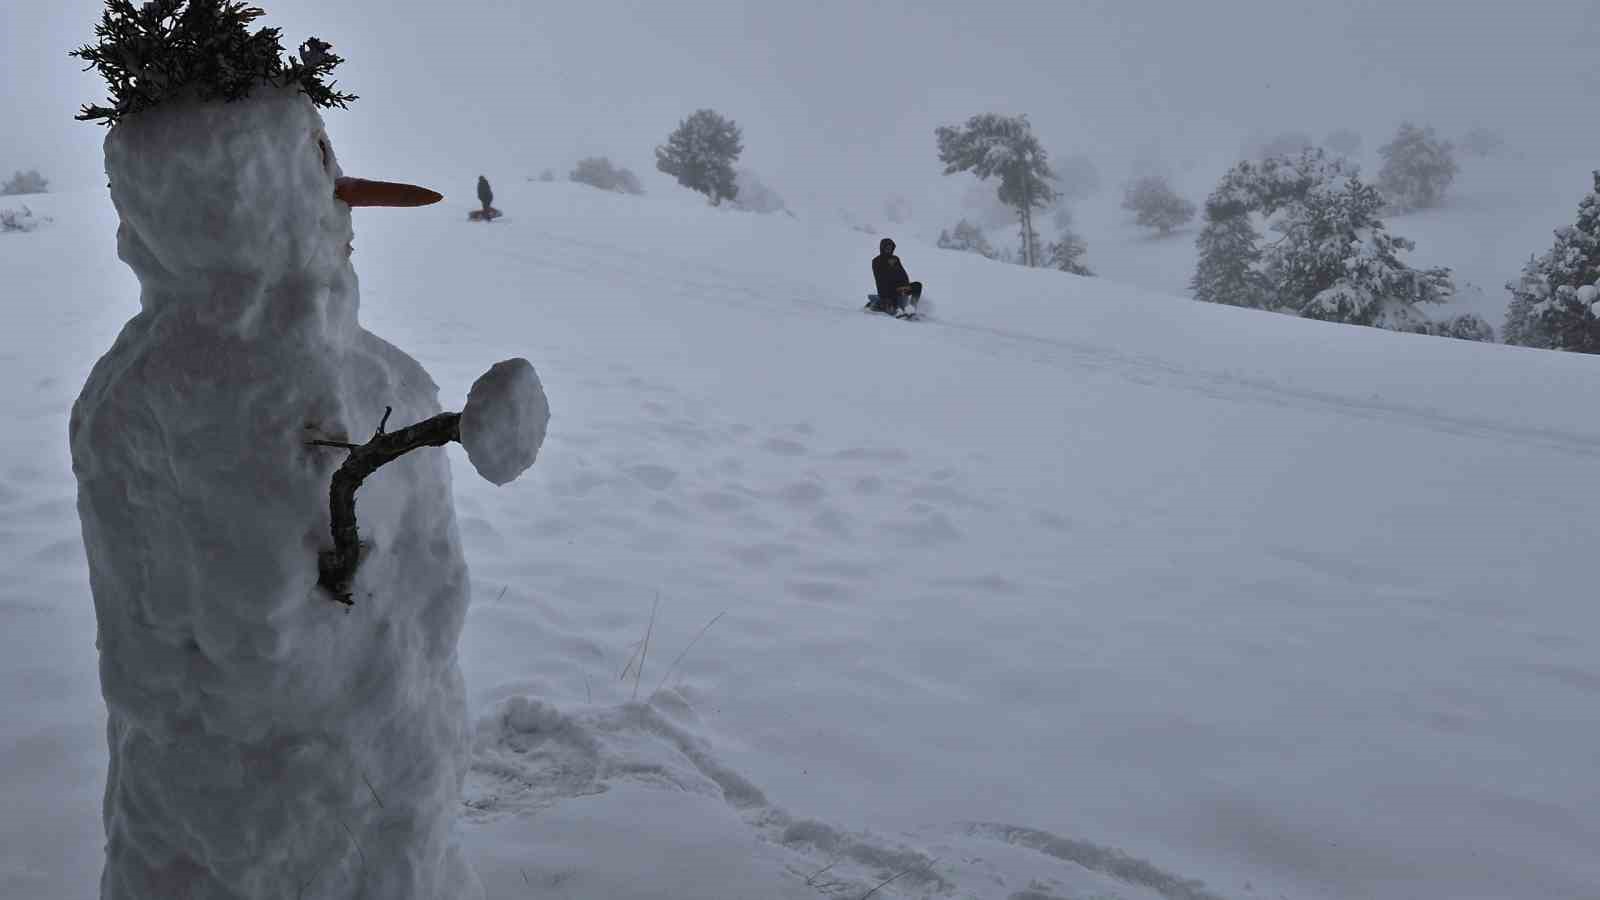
598, 172
29, 182
1554, 304
1334, 259
1417, 168
1003, 147
754, 195
967, 238
701, 152
1344, 142
1156, 205
1066, 253
1227, 255
1464, 327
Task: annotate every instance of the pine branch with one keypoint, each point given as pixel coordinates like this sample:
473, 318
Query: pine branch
167, 48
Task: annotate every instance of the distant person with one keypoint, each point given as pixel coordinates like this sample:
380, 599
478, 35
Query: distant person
897, 293
485, 195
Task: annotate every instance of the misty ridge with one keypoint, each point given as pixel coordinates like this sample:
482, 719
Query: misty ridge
1127, 128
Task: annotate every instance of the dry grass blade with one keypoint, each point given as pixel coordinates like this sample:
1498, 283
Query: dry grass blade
686, 649
644, 652
884, 883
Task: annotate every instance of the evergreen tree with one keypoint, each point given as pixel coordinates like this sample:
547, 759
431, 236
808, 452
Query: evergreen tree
1337, 262
1417, 168
1156, 205
1554, 303
701, 154
1335, 259
485, 193
991, 145
967, 238
201, 48
1066, 252
1227, 256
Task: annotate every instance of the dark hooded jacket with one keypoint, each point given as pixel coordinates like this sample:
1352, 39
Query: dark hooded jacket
485, 196
887, 271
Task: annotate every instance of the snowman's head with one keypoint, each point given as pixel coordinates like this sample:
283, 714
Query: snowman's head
232, 205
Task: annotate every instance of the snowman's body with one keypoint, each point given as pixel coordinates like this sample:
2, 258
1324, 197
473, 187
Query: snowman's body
265, 742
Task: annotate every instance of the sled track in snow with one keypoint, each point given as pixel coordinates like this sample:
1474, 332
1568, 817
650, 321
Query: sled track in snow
709, 282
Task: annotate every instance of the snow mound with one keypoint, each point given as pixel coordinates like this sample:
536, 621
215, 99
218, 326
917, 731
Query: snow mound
21, 219
503, 424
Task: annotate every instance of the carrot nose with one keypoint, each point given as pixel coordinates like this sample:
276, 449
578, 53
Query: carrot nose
361, 192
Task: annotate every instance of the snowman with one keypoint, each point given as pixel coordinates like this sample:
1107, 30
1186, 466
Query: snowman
286, 712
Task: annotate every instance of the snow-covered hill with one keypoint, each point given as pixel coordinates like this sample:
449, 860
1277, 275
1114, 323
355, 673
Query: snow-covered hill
1074, 590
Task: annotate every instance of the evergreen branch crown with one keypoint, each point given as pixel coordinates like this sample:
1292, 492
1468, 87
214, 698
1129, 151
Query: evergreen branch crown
162, 48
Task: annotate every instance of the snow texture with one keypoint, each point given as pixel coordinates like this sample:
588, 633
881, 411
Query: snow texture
1081, 590
503, 424
237, 693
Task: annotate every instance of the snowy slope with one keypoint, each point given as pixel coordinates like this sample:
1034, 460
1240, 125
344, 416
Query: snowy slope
1075, 590
1497, 213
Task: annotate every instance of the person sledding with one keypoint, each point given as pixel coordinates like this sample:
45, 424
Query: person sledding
897, 294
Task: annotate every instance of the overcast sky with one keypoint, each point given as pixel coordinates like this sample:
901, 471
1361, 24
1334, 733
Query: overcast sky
838, 100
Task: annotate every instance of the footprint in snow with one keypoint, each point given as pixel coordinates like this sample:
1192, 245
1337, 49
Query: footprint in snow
784, 447
654, 477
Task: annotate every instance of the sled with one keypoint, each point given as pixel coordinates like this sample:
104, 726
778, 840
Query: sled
875, 305
484, 215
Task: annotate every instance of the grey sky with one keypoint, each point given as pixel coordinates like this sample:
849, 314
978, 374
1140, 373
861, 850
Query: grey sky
838, 100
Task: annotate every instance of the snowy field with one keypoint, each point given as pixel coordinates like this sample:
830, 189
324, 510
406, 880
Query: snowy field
1075, 590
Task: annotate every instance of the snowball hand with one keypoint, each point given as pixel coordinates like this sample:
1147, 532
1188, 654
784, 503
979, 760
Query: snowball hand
502, 428
503, 423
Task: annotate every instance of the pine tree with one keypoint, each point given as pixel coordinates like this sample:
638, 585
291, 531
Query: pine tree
701, 154
1228, 253
1417, 168
991, 145
1067, 254
1156, 205
1337, 262
1554, 304
203, 48
1335, 259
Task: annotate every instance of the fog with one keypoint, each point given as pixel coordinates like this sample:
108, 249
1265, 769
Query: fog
838, 100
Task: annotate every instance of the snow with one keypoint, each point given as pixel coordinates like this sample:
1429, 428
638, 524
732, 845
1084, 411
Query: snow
1078, 590
503, 424
237, 690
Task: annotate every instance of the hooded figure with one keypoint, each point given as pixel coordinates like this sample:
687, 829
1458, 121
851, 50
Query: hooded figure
265, 742
897, 293
485, 195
